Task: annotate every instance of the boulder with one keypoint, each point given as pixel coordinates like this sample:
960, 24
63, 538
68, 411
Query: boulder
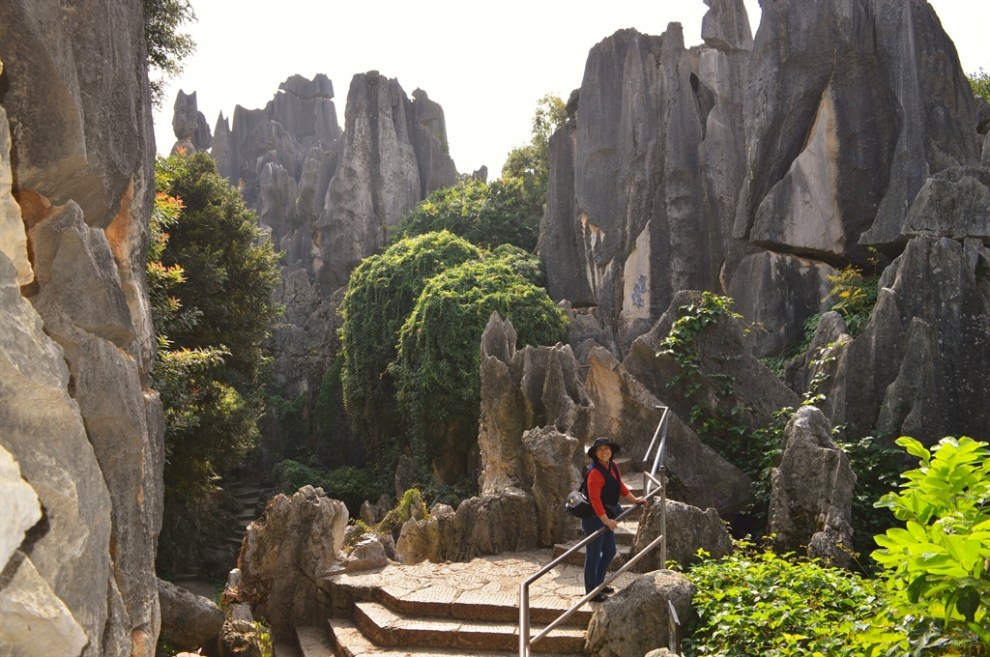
189, 621
285, 556
953, 203
824, 79
776, 293
521, 390
19, 508
548, 458
367, 554
811, 492
920, 363
67, 589
192, 132
625, 409
642, 604
688, 530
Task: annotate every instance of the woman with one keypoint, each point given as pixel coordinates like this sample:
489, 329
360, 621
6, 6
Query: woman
604, 487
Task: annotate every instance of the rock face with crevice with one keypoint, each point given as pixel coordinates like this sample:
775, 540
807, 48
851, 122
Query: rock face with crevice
843, 134
77, 414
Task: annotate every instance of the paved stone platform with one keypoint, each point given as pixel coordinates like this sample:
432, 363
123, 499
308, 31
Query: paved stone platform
453, 608
491, 581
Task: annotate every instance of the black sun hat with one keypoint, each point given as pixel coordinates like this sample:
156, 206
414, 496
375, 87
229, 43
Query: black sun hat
602, 441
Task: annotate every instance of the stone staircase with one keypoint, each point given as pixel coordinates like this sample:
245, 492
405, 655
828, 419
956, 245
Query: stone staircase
249, 500
451, 609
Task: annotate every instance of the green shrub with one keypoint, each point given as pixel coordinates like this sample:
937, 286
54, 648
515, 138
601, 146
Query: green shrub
437, 367
759, 603
381, 293
937, 566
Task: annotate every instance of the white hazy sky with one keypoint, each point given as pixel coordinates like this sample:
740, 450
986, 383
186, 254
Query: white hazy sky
486, 64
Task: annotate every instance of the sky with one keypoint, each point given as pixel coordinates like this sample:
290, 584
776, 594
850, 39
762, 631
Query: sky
486, 64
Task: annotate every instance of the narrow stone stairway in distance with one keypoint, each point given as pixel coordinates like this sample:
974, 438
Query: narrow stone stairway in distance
450, 609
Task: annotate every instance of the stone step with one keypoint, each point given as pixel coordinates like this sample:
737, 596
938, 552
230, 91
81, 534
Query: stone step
503, 607
389, 628
349, 642
625, 536
314, 641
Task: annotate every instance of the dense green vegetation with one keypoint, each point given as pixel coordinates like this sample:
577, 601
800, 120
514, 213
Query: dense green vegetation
931, 596
381, 293
755, 602
507, 211
210, 284
167, 47
413, 319
418, 393
436, 369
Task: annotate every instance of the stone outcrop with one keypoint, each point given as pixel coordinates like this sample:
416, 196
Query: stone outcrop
285, 556
189, 621
729, 376
811, 494
76, 347
643, 604
688, 529
521, 390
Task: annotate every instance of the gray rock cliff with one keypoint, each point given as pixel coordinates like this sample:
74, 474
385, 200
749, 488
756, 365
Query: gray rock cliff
76, 411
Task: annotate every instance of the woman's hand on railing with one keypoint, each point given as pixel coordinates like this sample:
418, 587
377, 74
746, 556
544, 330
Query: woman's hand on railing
609, 522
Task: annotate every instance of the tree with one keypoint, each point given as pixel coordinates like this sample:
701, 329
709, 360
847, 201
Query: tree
485, 215
507, 211
980, 83
210, 282
381, 292
437, 367
530, 164
166, 46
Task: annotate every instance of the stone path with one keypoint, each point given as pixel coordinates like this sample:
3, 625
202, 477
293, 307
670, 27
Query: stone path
450, 609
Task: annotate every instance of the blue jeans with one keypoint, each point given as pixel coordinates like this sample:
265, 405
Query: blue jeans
598, 554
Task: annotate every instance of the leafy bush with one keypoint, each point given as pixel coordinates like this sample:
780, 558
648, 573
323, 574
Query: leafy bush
381, 293
436, 370
483, 214
937, 566
210, 286
759, 603
979, 82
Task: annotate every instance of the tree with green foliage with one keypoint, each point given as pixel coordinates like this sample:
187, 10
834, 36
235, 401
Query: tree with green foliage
530, 164
507, 211
167, 47
381, 292
210, 280
980, 83
937, 565
437, 366
485, 215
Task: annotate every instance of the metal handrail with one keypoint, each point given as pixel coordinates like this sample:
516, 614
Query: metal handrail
524, 639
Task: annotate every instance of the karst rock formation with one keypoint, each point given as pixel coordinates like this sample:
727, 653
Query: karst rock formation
81, 431
843, 133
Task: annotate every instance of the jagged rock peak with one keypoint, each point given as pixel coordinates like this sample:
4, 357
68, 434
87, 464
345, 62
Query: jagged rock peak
319, 87
725, 26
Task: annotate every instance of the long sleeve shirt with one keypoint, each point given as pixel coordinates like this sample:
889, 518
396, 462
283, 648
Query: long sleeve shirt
596, 484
